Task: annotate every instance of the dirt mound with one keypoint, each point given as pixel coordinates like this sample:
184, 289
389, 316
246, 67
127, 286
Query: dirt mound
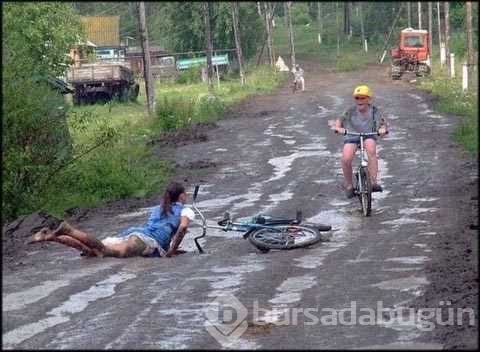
191, 134
17, 233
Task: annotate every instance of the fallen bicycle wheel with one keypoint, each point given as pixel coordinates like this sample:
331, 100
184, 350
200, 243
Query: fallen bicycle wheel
284, 237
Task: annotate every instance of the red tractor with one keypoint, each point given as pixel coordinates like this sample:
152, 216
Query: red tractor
412, 54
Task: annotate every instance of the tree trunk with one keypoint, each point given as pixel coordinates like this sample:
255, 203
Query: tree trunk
430, 28
346, 19
269, 34
285, 14
409, 14
207, 6
439, 22
360, 6
447, 34
320, 22
419, 15
259, 9
470, 58
290, 33
390, 33
338, 28
238, 43
149, 89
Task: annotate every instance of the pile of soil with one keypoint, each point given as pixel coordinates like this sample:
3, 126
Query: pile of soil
453, 277
191, 134
16, 234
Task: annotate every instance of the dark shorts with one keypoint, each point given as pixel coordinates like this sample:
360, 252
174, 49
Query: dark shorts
356, 140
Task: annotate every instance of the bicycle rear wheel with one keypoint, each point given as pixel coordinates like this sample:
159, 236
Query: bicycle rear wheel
284, 237
366, 191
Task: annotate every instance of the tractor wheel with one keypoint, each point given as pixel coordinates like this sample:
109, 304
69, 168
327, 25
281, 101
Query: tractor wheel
395, 72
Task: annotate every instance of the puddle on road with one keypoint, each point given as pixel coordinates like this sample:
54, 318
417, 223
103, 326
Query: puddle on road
291, 289
409, 260
283, 164
20, 300
402, 284
428, 199
404, 221
414, 210
75, 304
427, 233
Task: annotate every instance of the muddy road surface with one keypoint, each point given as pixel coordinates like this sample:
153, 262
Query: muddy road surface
275, 154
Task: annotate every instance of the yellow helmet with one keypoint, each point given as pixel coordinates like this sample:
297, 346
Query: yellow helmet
362, 90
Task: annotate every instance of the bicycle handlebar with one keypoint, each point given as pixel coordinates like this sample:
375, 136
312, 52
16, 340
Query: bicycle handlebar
361, 134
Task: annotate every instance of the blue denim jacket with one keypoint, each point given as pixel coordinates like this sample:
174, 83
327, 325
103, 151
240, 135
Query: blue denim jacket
159, 227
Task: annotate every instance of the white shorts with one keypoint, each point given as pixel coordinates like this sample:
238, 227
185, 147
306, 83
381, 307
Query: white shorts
149, 242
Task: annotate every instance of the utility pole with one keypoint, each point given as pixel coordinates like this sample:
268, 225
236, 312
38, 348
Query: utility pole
149, 89
207, 6
238, 44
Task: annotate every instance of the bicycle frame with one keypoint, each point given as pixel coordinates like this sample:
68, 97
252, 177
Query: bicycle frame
247, 227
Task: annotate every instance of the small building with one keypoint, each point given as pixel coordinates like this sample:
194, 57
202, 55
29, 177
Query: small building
134, 56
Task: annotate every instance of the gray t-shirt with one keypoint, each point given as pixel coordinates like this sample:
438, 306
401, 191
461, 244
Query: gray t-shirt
357, 121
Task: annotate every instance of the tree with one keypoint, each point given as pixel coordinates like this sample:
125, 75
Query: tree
360, 5
207, 7
419, 15
36, 37
268, 29
238, 44
320, 22
409, 13
146, 57
290, 33
468, 23
447, 34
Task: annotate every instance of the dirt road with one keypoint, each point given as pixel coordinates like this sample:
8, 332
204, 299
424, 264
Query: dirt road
276, 154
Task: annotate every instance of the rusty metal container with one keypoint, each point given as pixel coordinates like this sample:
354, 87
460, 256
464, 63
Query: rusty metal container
102, 30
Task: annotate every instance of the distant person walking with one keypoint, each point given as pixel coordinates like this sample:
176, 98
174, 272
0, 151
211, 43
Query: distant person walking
298, 74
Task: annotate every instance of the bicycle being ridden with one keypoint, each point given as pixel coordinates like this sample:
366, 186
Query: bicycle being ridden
360, 125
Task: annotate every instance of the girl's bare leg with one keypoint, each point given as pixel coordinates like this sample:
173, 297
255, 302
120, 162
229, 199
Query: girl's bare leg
85, 238
46, 234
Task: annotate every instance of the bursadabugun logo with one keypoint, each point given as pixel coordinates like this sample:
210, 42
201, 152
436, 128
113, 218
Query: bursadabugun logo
226, 318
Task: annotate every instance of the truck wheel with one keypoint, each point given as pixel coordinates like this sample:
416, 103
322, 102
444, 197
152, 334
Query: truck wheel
134, 90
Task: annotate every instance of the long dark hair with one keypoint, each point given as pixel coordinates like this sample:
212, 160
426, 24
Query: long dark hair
171, 195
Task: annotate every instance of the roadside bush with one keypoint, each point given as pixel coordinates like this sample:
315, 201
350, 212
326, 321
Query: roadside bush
175, 112
451, 99
209, 107
189, 76
36, 141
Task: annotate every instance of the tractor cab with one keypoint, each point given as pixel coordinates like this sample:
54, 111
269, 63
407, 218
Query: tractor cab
412, 53
413, 42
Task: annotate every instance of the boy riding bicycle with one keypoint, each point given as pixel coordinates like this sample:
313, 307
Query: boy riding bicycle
362, 117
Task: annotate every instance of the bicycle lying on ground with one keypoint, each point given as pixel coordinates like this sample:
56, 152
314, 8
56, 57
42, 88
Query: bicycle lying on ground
362, 186
266, 232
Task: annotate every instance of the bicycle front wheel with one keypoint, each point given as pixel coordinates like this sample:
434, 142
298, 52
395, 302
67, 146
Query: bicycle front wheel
284, 237
366, 191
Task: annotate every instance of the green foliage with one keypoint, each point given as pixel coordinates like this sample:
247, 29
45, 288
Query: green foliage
36, 140
190, 75
175, 111
451, 99
300, 13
